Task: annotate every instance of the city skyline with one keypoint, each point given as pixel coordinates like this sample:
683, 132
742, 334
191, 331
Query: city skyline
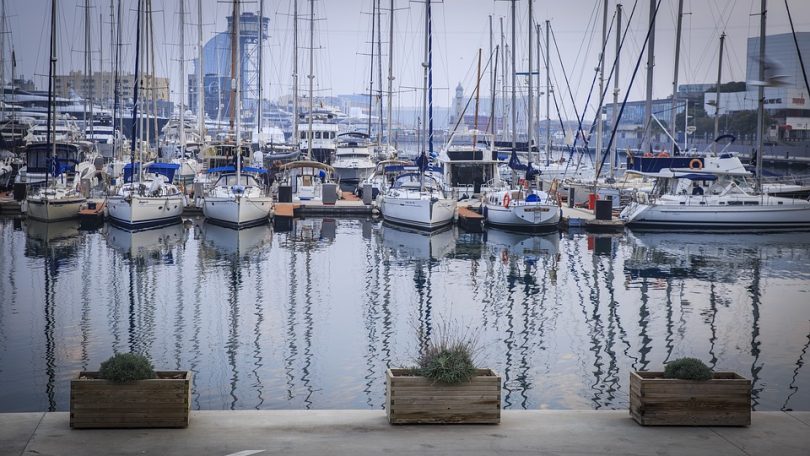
343, 32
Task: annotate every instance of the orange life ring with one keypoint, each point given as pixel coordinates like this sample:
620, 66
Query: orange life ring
663, 154
648, 154
506, 200
695, 164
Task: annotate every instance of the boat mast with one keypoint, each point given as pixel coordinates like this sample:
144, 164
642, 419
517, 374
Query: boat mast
761, 94
2, 57
717, 92
514, 82
51, 98
118, 132
425, 77
390, 72
234, 75
430, 79
477, 99
612, 157
548, 99
261, 51
88, 72
238, 89
311, 74
599, 122
135, 85
673, 126
112, 58
182, 131
645, 138
379, 70
200, 75
539, 92
530, 112
491, 126
295, 74
371, 66
153, 68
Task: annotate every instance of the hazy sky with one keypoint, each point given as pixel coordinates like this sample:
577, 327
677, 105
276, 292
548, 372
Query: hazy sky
343, 29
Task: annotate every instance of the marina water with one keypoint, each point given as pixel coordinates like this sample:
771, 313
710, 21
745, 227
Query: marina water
310, 316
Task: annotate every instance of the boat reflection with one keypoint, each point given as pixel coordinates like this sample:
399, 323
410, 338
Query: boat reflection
411, 244
528, 247
58, 240
227, 241
309, 233
154, 246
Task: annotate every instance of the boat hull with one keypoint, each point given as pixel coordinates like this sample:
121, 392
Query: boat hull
136, 212
699, 218
238, 212
48, 210
426, 214
353, 175
531, 217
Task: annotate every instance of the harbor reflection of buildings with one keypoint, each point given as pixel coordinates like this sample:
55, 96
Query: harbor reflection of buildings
56, 244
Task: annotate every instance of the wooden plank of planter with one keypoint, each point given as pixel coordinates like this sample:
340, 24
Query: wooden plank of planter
413, 399
725, 400
161, 402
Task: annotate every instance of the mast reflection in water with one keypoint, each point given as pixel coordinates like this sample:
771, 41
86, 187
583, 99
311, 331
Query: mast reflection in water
312, 316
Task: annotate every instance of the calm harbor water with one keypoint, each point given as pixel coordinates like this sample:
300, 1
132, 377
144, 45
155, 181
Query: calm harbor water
311, 317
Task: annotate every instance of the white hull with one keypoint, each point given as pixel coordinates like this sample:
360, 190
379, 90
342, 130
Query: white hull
238, 212
143, 211
768, 214
53, 210
523, 216
418, 213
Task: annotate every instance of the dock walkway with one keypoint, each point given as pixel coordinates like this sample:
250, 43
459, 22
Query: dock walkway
366, 432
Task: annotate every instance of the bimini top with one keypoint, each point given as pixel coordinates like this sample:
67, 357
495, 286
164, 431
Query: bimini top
232, 169
164, 169
308, 164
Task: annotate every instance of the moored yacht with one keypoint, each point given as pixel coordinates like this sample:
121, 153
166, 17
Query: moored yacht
146, 199
237, 199
353, 154
418, 200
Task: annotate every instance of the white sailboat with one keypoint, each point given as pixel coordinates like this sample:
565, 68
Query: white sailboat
419, 200
57, 199
146, 197
237, 199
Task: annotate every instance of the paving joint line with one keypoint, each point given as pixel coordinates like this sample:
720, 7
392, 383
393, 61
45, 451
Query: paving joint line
796, 418
33, 433
730, 442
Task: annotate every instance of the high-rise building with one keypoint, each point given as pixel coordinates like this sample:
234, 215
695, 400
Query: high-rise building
217, 68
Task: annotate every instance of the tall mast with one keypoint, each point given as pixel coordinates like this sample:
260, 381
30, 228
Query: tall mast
761, 94
514, 82
491, 125
717, 92
673, 127
2, 55
425, 78
548, 99
599, 122
153, 83
645, 144
234, 74
118, 129
51, 98
371, 65
261, 51
137, 82
238, 89
530, 116
477, 98
182, 78
612, 157
503, 79
379, 71
539, 92
112, 55
390, 72
296, 138
430, 78
311, 74
88, 72
200, 74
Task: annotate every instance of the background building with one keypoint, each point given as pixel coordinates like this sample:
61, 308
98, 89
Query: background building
100, 86
217, 69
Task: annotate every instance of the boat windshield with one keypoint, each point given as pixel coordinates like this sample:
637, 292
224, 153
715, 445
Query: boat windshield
229, 180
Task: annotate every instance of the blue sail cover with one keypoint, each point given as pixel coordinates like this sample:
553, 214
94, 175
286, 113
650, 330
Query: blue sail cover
514, 162
128, 170
422, 162
165, 169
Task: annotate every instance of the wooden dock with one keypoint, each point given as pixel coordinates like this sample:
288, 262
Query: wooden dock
8, 205
470, 219
575, 217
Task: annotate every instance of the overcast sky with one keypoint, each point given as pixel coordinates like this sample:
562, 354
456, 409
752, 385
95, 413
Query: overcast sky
460, 27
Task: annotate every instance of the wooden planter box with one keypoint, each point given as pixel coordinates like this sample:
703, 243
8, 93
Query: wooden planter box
724, 400
161, 402
413, 399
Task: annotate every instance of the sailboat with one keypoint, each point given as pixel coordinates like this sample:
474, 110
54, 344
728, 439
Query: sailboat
722, 198
521, 205
237, 199
146, 197
419, 199
58, 198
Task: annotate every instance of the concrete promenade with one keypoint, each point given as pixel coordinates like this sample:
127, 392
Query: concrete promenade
363, 432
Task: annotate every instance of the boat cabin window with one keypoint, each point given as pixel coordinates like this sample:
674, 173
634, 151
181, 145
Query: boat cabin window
469, 175
229, 180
